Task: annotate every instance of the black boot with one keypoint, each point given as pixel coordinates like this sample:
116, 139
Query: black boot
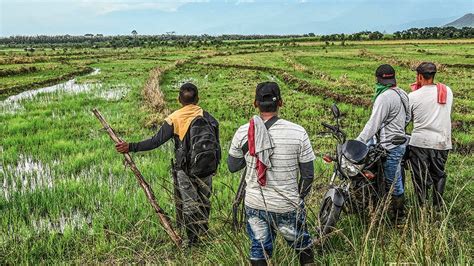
438, 190
192, 230
193, 238
203, 220
398, 209
258, 262
207, 211
306, 257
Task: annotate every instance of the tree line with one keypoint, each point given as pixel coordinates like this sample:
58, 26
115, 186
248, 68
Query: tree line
171, 39
413, 33
136, 40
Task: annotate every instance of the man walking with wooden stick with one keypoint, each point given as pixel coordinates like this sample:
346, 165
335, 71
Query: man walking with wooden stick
197, 150
164, 220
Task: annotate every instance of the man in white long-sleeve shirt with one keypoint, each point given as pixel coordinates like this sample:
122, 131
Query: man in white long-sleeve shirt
388, 119
430, 106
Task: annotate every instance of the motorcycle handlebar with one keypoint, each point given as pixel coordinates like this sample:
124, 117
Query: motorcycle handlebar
332, 128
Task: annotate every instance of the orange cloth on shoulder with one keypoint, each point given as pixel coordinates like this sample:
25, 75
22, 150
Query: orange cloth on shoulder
181, 119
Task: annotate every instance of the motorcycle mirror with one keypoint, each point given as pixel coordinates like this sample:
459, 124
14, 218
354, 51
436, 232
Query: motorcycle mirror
335, 111
398, 140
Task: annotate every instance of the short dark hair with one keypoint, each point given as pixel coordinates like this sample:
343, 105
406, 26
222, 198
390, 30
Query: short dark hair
267, 107
427, 70
188, 94
428, 76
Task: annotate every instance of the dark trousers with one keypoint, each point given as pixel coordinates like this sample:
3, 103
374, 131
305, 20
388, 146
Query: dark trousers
428, 169
196, 205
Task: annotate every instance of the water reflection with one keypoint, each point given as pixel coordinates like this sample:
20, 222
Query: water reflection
27, 176
75, 219
12, 104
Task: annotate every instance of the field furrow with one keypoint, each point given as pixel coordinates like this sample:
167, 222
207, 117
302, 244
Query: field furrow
67, 196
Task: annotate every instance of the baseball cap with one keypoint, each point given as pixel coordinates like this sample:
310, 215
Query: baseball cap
386, 75
426, 68
267, 92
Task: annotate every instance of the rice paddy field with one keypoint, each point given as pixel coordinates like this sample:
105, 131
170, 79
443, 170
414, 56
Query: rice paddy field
66, 195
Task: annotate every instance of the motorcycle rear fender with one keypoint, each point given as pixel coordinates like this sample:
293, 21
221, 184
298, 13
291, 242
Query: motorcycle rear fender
337, 196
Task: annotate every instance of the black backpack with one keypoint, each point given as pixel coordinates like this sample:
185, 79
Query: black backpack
200, 149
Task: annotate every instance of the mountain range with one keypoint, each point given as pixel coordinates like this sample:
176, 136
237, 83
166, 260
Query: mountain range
464, 21
215, 17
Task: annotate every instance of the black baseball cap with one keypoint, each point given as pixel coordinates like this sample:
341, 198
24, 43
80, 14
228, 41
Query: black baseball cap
267, 92
426, 68
386, 75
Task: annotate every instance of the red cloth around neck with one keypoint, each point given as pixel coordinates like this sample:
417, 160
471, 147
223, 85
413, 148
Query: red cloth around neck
442, 91
261, 168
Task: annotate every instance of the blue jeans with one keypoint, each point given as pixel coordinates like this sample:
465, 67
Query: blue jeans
393, 170
262, 227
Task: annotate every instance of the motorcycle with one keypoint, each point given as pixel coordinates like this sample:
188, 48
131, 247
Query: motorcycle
358, 166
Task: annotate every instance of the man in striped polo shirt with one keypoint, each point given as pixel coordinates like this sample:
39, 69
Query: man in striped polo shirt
274, 151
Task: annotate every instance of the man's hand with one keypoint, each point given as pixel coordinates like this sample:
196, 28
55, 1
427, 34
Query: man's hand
122, 147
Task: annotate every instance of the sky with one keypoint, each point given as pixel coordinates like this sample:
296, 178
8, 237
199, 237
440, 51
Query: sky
215, 17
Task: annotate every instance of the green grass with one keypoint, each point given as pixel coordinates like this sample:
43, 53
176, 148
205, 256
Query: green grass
67, 197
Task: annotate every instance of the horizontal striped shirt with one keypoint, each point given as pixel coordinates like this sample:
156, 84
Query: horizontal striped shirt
292, 147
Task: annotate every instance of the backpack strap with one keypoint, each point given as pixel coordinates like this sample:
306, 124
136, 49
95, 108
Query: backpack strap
402, 104
270, 122
205, 116
181, 150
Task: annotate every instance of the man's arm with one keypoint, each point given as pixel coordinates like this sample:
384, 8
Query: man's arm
306, 180
236, 159
407, 118
305, 162
411, 106
235, 164
378, 116
408, 115
164, 134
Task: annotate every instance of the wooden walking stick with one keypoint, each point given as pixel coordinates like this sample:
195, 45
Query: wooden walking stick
239, 197
164, 219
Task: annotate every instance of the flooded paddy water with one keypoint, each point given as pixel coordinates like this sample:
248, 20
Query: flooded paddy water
67, 220
13, 104
27, 176
31, 174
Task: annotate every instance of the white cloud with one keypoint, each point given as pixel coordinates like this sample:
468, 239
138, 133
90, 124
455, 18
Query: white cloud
244, 1
108, 6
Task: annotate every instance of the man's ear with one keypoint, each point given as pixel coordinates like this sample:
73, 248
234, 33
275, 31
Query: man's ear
280, 103
255, 104
197, 99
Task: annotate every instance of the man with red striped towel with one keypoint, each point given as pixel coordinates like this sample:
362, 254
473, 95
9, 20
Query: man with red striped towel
274, 151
